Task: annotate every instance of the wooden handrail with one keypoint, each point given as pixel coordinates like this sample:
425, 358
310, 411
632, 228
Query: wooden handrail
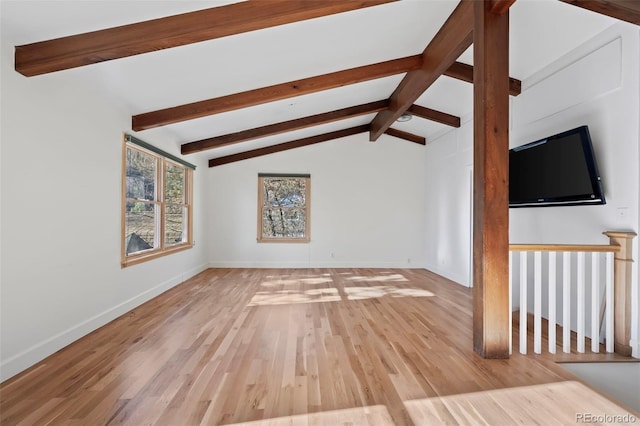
565, 247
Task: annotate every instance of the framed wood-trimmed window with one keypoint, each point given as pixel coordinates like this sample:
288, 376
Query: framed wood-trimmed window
283, 207
157, 202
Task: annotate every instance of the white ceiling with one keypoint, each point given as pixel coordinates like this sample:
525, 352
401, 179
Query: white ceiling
541, 32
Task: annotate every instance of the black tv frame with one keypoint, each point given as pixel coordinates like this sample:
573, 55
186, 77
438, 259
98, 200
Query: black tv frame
597, 195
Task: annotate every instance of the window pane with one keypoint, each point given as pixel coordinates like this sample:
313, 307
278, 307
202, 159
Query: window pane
140, 227
285, 192
158, 202
141, 175
174, 184
175, 225
283, 223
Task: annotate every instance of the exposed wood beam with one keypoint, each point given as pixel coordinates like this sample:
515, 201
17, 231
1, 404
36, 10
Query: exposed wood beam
501, 6
625, 10
288, 145
406, 136
449, 43
178, 30
464, 72
285, 126
491, 316
294, 88
274, 93
433, 115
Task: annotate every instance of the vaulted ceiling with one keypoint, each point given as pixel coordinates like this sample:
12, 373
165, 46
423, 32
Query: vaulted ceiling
228, 80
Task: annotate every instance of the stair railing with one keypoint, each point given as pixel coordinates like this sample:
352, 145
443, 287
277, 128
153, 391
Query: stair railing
572, 301
593, 283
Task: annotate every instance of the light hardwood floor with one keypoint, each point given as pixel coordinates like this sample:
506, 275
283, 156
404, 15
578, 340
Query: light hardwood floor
313, 346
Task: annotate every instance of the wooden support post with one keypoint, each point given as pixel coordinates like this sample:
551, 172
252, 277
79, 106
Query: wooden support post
622, 290
491, 314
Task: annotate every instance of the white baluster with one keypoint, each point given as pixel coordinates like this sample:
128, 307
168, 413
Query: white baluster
580, 302
595, 303
537, 302
552, 302
608, 335
511, 254
566, 302
523, 302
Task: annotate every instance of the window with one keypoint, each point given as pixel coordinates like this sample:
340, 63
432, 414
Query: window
283, 208
157, 203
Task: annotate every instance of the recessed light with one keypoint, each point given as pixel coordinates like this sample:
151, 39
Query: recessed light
404, 117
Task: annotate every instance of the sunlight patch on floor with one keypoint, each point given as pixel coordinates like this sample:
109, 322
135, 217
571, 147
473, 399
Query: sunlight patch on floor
359, 293
296, 282
331, 294
380, 278
292, 297
553, 403
371, 415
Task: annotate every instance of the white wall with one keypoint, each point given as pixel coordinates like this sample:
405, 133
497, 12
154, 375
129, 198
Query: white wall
367, 206
598, 85
636, 288
449, 161
60, 217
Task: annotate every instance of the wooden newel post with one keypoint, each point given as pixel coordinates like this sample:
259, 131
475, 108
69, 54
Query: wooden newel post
622, 290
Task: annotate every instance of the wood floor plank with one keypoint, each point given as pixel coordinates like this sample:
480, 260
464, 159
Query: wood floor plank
295, 346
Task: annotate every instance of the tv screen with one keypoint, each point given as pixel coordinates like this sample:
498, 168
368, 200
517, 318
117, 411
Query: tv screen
558, 170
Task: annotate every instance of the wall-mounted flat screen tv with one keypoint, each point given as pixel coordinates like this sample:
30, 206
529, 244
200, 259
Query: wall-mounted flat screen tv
560, 170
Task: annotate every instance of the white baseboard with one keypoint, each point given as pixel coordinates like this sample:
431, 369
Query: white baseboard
36, 353
453, 276
315, 264
193, 272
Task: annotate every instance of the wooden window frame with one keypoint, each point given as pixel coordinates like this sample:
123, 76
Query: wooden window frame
307, 230
162, 248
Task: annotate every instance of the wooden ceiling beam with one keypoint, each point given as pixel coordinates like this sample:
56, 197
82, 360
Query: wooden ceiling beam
282, 127
434, 115
273, 93
453, 38
625, 10
501, 6
464, 72
314, 120
401, 134
172, 31
288, 145
295, 88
